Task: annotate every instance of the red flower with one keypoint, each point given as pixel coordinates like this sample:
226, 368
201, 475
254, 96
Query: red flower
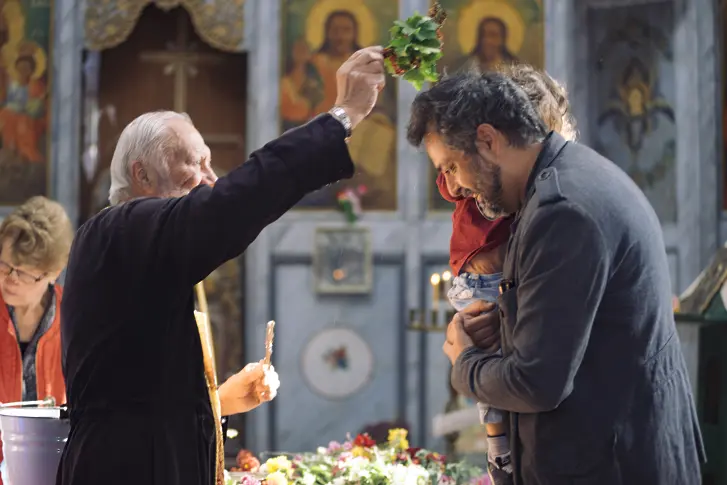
364, 441
247, 461
413, 451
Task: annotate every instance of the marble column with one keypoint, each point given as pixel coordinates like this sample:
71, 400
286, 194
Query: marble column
66, 105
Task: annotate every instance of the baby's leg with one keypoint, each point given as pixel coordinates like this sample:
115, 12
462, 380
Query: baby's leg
499, 465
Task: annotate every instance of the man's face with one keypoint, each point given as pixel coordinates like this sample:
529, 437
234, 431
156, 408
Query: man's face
25, 70
192, 165
468, 175
341, 34
492, 40
189, 166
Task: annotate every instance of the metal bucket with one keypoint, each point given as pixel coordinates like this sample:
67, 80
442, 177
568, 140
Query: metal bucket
33, 440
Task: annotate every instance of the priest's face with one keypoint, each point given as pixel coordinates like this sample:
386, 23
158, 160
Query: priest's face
189, 164
469, 175
192, 163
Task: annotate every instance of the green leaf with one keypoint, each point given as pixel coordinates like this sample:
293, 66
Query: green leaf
427, 50
431, 42
432, 58
424, 20
414, 75
401, 51
415, 20
399, 42
426, 34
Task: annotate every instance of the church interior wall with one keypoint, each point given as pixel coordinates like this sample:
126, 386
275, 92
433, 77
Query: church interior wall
407, 378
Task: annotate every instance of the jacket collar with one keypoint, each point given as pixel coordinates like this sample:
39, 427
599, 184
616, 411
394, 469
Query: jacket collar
552, 146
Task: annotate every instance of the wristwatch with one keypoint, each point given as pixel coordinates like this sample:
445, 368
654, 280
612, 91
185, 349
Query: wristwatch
340, 115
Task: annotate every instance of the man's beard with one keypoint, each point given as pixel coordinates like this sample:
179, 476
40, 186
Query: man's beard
488, 188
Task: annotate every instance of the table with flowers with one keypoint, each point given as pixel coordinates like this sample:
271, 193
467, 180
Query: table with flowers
359, 461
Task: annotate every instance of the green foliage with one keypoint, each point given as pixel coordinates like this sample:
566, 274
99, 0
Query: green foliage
415, 48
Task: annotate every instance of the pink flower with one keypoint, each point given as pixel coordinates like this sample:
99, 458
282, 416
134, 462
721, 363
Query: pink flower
249, 480
347, 446
334, 446
483, 480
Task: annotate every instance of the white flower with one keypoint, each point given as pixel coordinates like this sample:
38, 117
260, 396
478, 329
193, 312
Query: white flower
339, 481
321, 450
409, 475
308, 479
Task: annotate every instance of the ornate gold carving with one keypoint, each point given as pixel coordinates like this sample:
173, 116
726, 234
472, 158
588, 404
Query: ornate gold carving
220, 23
710, 282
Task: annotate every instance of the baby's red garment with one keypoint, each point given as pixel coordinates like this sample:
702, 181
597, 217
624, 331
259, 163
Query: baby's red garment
471, 232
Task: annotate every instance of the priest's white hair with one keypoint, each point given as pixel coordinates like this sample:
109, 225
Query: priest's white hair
146, 139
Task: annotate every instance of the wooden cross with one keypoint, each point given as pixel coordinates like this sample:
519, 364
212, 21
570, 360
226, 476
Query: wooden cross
181, 60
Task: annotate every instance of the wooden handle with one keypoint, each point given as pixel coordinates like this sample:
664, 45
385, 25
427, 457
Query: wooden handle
269, 336
201, 298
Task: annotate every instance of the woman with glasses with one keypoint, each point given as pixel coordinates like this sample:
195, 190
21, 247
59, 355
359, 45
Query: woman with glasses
34, 244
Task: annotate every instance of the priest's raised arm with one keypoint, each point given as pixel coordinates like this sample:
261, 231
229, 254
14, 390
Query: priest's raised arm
214, 223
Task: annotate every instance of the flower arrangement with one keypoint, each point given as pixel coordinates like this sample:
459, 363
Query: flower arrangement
362, 461
349, 202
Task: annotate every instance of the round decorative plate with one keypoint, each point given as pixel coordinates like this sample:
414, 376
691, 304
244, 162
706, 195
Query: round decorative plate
337, 363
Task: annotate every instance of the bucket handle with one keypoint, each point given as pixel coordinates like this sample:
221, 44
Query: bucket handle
48, 402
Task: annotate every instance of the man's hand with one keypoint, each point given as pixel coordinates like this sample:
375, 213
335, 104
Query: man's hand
359, 81
482, 323
457, 339
246, 390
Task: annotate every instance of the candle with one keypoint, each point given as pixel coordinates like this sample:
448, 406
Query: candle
436, 281
447, 278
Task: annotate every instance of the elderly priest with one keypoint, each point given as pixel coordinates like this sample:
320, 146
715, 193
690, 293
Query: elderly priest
139, 403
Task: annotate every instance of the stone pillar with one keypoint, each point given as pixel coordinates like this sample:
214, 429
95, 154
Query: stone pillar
66, 105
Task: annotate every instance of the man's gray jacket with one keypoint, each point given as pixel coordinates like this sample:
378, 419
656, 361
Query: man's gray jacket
592, 369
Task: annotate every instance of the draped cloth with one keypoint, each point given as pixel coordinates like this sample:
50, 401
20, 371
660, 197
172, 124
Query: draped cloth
220, 23
210, 375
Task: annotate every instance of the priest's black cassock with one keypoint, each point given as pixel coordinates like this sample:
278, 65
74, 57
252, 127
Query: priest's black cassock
139, 408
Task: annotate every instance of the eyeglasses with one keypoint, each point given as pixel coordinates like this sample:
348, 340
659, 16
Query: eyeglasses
23, 277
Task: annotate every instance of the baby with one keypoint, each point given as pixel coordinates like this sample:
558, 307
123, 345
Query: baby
478, 245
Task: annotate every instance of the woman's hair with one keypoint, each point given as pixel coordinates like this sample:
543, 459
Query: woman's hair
40, 234
547, 95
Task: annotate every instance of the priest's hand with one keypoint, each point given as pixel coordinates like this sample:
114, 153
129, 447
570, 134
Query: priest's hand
358, 82
255, 384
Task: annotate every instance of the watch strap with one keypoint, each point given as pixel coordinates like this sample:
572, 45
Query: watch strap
340, 115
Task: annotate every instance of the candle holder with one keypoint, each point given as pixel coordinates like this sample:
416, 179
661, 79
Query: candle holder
436, 318
431, 321
451, 406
